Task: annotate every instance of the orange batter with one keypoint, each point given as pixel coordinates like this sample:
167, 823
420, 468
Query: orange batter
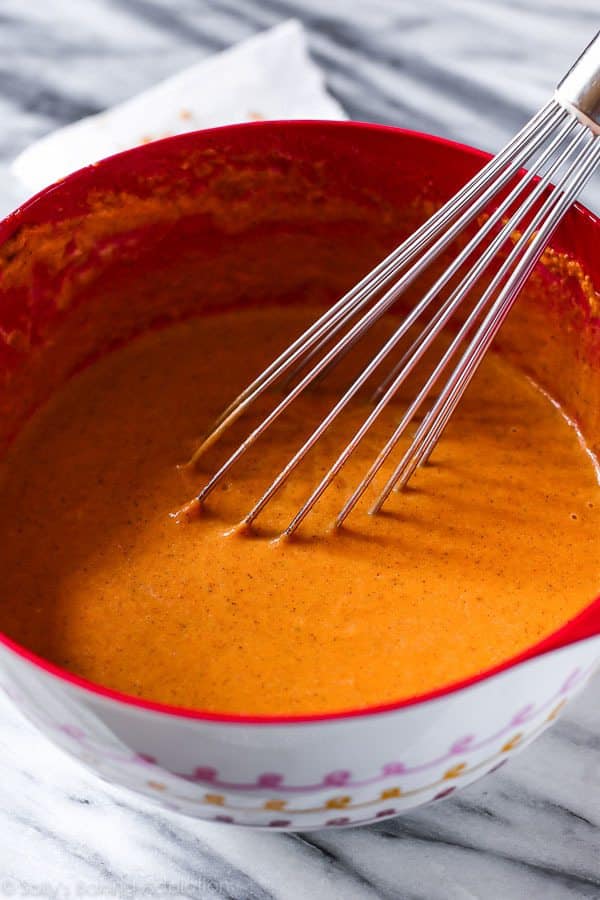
494, 547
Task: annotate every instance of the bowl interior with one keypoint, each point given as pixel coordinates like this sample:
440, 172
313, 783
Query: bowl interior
268, 213
263, 213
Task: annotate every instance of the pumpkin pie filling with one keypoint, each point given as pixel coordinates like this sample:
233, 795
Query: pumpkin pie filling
493, 546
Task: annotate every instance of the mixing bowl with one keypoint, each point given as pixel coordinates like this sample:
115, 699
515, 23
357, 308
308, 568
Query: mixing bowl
277, 213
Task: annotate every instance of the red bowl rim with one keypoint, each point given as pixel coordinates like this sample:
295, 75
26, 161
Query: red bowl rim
564, 636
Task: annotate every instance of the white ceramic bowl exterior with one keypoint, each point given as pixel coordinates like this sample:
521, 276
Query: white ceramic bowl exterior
306, 775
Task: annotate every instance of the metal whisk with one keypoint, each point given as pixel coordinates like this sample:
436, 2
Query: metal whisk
560, 145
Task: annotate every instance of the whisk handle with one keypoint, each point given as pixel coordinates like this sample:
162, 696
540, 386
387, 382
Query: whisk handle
579, 90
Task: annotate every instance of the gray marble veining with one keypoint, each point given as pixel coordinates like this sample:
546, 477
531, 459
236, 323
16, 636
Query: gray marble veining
472, 70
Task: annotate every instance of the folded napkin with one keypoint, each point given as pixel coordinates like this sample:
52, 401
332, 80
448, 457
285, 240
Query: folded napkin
268, 76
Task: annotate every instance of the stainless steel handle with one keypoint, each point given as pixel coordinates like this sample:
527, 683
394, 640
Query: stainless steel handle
579, 90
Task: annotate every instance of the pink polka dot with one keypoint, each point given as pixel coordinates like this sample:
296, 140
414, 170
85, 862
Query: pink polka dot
270, 779
338, 779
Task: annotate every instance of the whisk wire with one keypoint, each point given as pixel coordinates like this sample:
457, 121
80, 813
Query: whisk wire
361, 326
433, 329
534, 240
435, 424
428, 335
512, 208
510, 159
454, 229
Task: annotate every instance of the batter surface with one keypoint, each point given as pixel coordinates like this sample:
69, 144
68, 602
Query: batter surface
494, 547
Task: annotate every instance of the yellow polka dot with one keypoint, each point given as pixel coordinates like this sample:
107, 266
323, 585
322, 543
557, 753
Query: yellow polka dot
275, 804
556, 710
338, 802
510, 745
389, 793
455, 771
157, 785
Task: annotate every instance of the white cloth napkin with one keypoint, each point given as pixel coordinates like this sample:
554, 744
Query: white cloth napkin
268, 76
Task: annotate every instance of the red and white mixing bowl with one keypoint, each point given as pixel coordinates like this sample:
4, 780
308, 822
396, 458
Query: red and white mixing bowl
257, 214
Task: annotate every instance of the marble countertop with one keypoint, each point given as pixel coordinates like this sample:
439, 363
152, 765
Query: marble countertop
469, 70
